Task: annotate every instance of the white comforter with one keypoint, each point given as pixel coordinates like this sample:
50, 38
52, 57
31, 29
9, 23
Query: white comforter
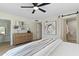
30, 49
66, 49
47, 47
63, 49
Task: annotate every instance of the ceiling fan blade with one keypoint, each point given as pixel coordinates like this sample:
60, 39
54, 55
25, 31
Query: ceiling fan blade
35, 4
27, 6
42, 10
43, 4
33, 12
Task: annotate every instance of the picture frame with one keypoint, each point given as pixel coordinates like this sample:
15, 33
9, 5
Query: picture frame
50, 27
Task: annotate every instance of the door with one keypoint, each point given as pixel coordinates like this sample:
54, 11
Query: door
71, 30
39, 30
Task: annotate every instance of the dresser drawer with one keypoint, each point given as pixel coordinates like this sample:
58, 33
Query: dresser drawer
22, 37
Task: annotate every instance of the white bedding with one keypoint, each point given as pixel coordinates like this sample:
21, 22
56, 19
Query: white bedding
64, 49
29, 49
47, 50
49, 47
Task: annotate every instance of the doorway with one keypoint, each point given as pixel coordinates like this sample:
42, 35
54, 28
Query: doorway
5, 32
70, 30
39, 30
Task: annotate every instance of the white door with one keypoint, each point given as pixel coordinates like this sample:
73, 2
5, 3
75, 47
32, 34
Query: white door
71, 30
39, 30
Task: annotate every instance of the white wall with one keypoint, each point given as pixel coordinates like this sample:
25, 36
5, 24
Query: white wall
6, 16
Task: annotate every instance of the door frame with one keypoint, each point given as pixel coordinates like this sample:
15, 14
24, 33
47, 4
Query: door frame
10, 28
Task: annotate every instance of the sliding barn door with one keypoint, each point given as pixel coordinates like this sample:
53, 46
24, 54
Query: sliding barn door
70, 29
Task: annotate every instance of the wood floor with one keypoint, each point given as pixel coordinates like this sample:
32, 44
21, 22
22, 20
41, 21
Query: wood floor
5, 47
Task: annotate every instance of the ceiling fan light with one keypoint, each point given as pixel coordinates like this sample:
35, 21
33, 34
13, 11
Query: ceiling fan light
35, 8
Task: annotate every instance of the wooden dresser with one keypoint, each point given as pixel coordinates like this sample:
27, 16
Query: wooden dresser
22, 38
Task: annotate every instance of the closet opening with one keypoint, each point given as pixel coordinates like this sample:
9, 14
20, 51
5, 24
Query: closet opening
5, 34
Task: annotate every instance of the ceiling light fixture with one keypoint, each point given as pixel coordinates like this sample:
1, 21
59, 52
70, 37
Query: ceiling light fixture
35, 8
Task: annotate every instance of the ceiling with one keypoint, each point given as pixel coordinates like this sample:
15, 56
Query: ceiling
52, 10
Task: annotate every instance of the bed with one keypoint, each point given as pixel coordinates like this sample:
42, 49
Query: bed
66, 49
63, 49
45, 47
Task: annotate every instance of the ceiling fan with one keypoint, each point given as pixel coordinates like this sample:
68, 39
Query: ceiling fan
36, 7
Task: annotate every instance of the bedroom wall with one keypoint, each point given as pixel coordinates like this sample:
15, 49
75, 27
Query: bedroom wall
7, 16
60, 30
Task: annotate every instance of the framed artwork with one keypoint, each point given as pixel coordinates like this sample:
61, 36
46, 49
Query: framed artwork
19, 25
50, 27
